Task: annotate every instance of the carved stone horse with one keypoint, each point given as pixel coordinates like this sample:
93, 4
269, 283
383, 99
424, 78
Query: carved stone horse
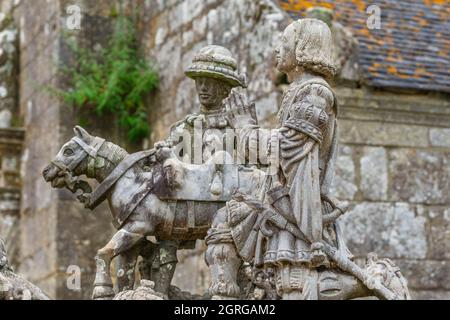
144, 195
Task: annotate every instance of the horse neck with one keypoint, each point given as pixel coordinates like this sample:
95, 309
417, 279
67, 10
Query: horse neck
110, 156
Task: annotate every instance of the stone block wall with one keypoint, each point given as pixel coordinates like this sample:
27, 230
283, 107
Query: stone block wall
394, 167
8, 67
10, 155
11, 138
56, 232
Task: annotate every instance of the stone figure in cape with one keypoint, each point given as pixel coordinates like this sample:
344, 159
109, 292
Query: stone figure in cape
290, 231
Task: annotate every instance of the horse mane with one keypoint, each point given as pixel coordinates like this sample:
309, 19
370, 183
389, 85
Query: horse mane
113, 153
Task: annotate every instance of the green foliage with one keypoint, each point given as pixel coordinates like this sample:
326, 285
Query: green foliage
113, 79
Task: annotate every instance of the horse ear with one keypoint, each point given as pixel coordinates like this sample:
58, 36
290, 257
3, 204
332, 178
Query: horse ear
81, 133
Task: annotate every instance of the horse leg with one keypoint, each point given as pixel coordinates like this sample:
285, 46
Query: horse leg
149, 253
159, 263
122, 241
126, 265
166, 266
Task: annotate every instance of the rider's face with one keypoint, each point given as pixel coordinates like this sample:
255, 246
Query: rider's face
211, 92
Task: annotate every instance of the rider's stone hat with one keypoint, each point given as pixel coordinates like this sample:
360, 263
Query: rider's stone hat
216, 62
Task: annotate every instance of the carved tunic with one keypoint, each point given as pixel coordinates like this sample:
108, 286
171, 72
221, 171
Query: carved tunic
184, 137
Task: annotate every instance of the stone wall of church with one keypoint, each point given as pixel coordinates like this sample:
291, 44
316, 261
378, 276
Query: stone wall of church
55, 231
11, 137
394, 168
11, 140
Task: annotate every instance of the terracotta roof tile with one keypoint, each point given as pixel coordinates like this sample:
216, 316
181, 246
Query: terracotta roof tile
412, 48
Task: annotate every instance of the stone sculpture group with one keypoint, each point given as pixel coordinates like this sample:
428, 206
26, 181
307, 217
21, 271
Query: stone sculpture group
259, 197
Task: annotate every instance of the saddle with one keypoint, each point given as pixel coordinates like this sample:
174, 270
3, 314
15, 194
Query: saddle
216, 180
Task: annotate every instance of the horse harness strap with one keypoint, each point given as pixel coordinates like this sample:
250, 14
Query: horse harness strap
191, 215
188, 227
169, 219
90, 151
98, 195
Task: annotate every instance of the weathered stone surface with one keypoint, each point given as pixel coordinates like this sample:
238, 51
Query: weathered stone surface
267, 106
419, 176
440, 137
430, 294
5, 118
344, 186
183, 100
13, 286
386, 229
51, 239
9, 229
184, 12
10, 154
37, 236
196, 282
366, 104
426, 275
145, 291
374, 175
9, 201
77, 247
170, 60
383, 134
9, 58
438, 231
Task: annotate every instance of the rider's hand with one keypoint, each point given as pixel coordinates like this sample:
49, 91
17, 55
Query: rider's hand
239, 111
190, 119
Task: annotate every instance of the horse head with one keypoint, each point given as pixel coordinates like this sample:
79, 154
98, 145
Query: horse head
84, 154
73, 159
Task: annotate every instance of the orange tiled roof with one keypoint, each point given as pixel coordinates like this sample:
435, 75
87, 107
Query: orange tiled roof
412, 48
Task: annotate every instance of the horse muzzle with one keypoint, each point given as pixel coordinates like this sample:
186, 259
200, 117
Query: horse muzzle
51, 174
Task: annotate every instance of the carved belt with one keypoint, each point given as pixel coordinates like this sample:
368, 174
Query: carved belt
305, 127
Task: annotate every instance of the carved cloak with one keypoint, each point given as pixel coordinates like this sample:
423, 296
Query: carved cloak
306, 171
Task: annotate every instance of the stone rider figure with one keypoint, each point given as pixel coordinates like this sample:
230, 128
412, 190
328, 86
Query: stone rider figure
215, 73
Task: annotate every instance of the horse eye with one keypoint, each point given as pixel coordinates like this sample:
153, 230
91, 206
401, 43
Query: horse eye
68, 152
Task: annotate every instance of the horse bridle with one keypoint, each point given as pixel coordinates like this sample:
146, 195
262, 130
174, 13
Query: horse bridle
88, 151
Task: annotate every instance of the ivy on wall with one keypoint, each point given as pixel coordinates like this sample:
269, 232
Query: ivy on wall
113, 79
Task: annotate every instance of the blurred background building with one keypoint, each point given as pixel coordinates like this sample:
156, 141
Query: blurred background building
394, 120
